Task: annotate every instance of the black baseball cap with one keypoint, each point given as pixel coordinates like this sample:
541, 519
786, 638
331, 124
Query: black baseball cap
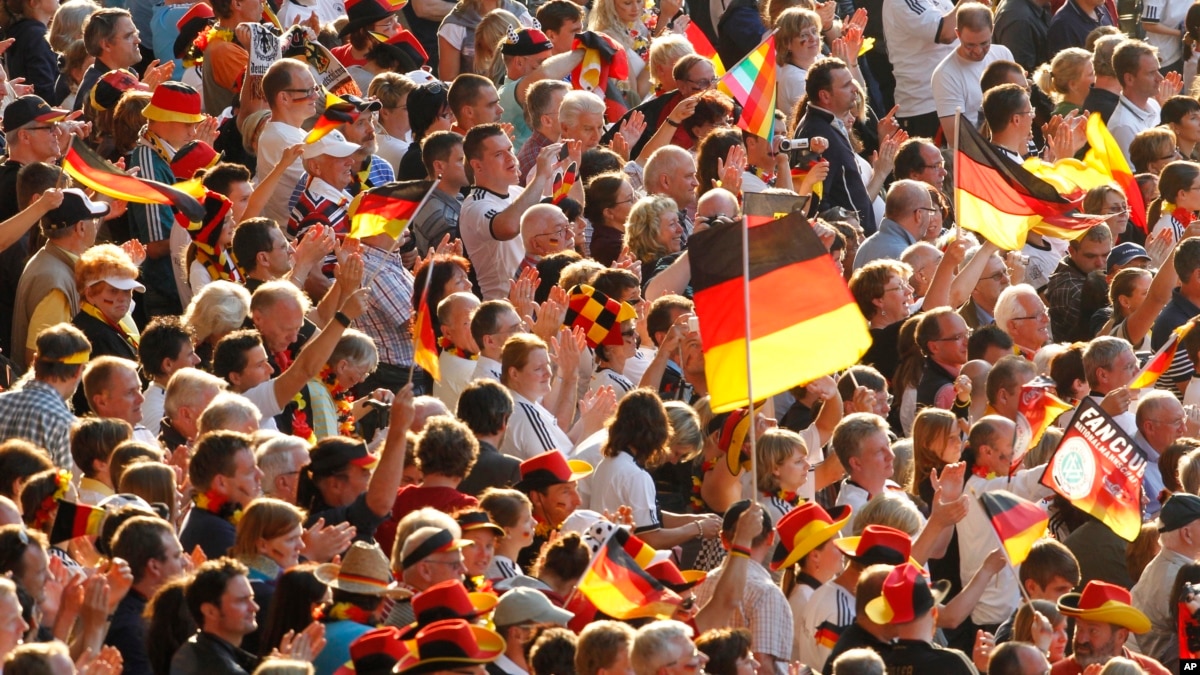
30, 109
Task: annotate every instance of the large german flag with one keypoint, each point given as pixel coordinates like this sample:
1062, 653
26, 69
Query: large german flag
1018, 522
1104, 155
803, 321
1003, 201
75, 520
424, 341
386, 208
94, 172
617, 586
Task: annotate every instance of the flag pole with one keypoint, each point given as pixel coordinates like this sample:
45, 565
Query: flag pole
954, 156
396, 241
749, 372
412, 370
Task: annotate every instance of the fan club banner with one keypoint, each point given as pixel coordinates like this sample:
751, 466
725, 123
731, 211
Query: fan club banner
1099, 469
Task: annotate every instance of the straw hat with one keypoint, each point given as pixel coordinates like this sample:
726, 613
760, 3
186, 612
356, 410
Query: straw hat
364, 570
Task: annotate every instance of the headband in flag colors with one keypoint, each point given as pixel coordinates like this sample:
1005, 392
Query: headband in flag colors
751, 82
1018, 522
797, 300
386, 209
337, 112
75, 520
1003, 201
563, 183
598, 315
94, 172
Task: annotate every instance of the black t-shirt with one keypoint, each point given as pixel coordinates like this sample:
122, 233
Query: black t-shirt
917, 657
853, 637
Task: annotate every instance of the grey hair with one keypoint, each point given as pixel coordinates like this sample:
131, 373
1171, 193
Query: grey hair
219, 308
1008, 305
654, 645
188, 387
576, 103
273, 457
227, 411
1101, 353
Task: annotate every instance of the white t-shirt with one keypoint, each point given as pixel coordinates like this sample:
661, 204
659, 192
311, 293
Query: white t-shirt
1128, 119
1170, 14
626, 484
789, 87
263, 398
956, 81
178, 240
638, 364
829, 611
486, 369
456, 375
589, 450
198, 277
391, 149
911, 29
608, 377
533, 430
495, 261
275, 138
152, 405
1042, 261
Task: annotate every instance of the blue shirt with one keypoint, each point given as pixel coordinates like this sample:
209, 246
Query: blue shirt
889, 242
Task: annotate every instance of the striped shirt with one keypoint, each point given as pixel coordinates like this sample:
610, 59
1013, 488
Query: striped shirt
35, 412
533, 430
322, 203
830, 611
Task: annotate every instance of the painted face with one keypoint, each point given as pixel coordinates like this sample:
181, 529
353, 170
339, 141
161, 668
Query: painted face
285, 550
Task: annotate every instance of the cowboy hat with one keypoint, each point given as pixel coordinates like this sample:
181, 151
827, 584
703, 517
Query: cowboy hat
1103, 602
803, 529
364, 570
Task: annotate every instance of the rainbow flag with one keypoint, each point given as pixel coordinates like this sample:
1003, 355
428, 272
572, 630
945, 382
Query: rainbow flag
1105, 156
1018, 522
617, 586
1161, 361
94, 172
75, 520
703, 47
752, 82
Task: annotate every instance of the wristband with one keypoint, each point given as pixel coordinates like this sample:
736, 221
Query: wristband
699, 528
672, 122
342, 319
739, 551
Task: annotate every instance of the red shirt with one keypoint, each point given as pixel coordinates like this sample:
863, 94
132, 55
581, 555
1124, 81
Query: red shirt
1069, 666
344, 54
409, 498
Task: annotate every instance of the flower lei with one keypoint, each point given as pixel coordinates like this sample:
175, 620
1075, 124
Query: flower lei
641, 42
447, 346
983, 472
218, 504
62, 481
544, 530
479, 584
300, 426
343, 400
696, 500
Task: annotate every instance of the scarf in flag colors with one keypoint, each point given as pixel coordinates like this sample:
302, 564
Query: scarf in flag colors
1161, 361
751, 82
1002, 200
96, 173
796, 295
1099, 469
1018, 522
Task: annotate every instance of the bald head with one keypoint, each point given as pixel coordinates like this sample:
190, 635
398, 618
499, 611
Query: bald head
923, 258
716, 203
426, 407
545, 230
9, 513
671, 172
903, 198
454, 314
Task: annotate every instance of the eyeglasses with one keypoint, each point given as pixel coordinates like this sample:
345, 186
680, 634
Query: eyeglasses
1179, 422
928, 209
955, 338
49, 127
939, 165
1174, 155
886, 398
702, 84
629, 335
311, 92
1031, 113
556, 234
693, 662
1044, 314
1002, 274
903, 287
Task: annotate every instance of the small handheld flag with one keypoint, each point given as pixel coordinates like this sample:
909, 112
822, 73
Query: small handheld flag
75, 520
752, 82
1018, 522
94, 172
1105, 155
1161, 361
387, 208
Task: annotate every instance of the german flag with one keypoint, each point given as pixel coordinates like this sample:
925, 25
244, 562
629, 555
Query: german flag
641, 552
563, 183
337, 112
617, 586
1105, 156
1161, 361
425, 346
797, 301
387, 208
1003, 201
828, 634
1037, 409
1018, 522
75, 520
703, 47
94, 172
